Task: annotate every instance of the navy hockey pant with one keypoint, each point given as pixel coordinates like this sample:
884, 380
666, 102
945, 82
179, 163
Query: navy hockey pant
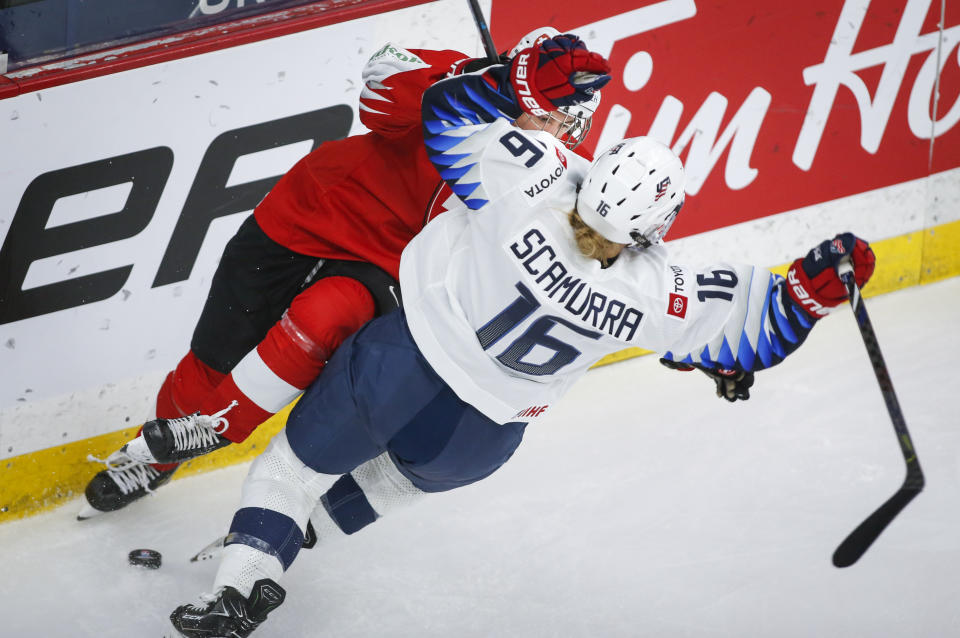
379, 394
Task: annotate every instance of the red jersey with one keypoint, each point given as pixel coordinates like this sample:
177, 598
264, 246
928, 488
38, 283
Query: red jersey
363, 198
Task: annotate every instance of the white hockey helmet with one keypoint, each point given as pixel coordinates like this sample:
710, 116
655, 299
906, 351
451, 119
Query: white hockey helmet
633, 192
578, 118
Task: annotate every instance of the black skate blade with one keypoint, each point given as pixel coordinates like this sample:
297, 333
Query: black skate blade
88, 511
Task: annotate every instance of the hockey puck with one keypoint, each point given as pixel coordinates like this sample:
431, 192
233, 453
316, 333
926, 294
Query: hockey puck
148, 558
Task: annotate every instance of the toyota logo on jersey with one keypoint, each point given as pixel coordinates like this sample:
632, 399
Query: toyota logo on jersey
677, 306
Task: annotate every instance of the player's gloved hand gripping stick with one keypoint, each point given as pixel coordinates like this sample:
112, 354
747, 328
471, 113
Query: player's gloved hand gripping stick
860, 539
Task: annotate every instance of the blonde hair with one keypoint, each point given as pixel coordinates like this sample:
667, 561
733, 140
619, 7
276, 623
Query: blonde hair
590, 243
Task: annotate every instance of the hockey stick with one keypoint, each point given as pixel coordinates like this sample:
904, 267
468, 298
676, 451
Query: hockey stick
860, 539
485, 36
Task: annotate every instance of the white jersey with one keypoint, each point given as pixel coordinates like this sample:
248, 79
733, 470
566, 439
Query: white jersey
509, 313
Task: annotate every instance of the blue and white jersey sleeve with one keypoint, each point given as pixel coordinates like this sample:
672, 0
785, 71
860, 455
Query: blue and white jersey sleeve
469, 137
737, 317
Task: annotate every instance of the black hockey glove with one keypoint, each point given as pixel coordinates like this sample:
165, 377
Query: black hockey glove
731, 384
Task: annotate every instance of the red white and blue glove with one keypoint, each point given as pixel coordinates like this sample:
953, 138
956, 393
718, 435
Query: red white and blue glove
559, 71
813, 283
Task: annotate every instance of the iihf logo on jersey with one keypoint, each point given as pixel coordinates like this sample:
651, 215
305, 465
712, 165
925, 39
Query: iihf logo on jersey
532, 412
662, 188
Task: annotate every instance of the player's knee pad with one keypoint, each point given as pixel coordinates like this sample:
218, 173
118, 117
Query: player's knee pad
316, 323
384, 485
357, 499
327, 312
279, 481
381, 286
292, 354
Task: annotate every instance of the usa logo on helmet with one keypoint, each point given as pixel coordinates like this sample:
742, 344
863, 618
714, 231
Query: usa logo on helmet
662, 188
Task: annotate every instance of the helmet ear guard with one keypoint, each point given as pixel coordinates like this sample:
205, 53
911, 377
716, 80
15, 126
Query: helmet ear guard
633, 192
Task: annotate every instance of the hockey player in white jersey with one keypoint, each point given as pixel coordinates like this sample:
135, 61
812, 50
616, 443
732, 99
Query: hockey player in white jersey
506, 303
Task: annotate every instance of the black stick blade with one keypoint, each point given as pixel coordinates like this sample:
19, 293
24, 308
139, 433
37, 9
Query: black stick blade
860, 539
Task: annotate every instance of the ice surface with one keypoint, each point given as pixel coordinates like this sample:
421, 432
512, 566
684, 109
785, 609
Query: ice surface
644, 506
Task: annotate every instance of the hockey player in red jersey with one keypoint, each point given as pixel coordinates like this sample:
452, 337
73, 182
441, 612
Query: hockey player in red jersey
318, 258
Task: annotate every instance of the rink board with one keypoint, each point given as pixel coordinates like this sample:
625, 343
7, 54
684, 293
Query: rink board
27, 487
105, 207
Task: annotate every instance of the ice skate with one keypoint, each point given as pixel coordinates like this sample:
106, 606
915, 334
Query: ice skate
123, 482
178, 440
228, 614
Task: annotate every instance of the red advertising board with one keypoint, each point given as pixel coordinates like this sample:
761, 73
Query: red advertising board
772, 106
